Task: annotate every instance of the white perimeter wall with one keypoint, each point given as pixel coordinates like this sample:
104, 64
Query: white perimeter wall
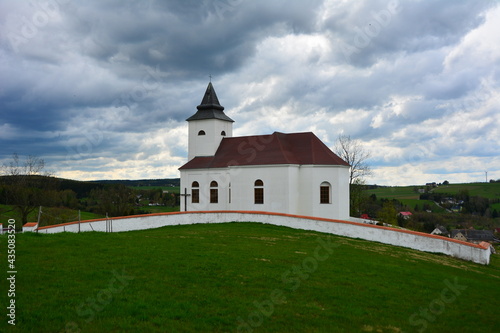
410, 239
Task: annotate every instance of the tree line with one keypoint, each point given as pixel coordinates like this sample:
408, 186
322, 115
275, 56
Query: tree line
24, 187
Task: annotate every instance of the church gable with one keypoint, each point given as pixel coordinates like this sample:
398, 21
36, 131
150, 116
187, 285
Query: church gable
277, 148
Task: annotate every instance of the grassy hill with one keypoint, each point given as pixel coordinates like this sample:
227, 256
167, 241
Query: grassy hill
408, 196
486, 190
243, 277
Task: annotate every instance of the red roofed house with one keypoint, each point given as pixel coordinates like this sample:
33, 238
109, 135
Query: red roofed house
291, 173
405, 215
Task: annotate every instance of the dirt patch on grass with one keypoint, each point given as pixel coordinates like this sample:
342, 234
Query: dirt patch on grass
369, 328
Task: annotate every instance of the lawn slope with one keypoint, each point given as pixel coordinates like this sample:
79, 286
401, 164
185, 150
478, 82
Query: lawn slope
245, 277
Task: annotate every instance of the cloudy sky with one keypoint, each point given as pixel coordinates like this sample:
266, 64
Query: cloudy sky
101, 89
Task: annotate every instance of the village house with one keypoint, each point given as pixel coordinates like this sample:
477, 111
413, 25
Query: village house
293, 173
474, 236
441, 231
405, 215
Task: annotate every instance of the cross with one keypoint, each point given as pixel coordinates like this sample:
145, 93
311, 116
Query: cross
185, 195
210, 76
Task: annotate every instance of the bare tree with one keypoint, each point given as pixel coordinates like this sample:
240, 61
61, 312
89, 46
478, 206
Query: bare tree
351, 151
24, 184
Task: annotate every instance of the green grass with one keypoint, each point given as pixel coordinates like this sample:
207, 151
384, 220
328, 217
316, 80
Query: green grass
207, 277
159, 209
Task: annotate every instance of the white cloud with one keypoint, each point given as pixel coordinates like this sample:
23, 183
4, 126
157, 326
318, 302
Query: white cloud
422, 92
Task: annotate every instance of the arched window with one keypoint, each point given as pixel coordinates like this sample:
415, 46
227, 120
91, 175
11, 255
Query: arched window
325, 193
258, 192
202, 132
223, 133
195, 192
214, 192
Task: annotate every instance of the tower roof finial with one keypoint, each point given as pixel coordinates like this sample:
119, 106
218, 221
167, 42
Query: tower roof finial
210, 107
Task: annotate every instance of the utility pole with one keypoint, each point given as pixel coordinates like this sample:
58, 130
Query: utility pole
39, 216
78, 221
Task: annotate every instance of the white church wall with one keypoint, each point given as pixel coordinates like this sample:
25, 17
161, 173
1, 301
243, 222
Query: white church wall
289, 189
294, 189
276, 187
404, 238
206, 145
306, 194
311, 178
204, 178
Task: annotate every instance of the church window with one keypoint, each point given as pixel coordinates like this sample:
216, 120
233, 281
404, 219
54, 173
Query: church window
259, 192
214, 192
195, 192
324, 193
202, 132
223, 133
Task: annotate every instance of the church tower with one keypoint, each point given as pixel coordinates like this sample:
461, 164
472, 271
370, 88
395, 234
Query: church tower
208, 126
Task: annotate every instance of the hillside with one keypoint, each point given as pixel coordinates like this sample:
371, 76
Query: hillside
454, 206
63, 200
244, 277
487, 190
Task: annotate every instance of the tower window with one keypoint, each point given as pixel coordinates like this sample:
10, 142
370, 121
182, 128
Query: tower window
324, 193
195, 192
223, 133
258, 192
202, 132
214, 192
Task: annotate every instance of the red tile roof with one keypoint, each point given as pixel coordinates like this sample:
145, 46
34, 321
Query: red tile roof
277, 148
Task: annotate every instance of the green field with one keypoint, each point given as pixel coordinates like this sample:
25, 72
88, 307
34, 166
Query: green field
7, 212
242, 277
486, 190
395, 192
159, 209
407, 195
170, 189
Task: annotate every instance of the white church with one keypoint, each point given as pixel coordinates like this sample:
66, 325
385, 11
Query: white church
292, 173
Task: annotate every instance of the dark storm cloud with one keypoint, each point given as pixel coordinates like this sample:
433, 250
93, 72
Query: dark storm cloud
98, 86
369, 30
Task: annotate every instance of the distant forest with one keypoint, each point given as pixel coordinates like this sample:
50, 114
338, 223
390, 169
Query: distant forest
22, 195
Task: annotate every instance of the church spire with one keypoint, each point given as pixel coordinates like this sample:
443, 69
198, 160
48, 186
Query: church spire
210, 107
